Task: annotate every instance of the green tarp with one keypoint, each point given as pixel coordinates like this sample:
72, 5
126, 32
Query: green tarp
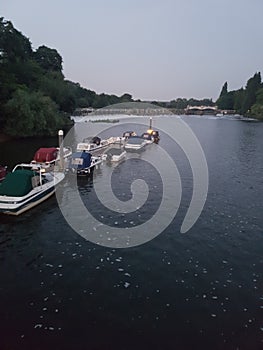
17, 184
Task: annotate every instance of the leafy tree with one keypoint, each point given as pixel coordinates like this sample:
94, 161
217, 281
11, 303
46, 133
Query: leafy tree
253, 85
126, 98
14, 46
224, 90
259, 96
53, 85
48, 59
226, 101
238, 100
226, 98
257, 111
257, 108
101, 101
32, 113
179, 103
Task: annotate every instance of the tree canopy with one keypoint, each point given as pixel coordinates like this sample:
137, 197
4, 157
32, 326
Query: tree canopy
246, 101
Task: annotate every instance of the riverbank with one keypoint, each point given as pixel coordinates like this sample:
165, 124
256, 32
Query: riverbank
4, 137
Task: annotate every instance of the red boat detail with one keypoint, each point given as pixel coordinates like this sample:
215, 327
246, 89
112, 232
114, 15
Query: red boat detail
46, 155
3, 172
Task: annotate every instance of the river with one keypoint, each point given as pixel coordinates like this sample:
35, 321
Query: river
196, 290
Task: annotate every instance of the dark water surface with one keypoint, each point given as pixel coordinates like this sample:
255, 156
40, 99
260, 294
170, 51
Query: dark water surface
199, 290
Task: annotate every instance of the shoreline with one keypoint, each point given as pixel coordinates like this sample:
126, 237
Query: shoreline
4, 137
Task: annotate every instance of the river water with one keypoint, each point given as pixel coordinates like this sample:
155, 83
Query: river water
196, 290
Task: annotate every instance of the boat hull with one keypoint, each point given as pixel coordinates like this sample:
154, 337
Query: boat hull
132, 147
86, 171
17, 205
29, 205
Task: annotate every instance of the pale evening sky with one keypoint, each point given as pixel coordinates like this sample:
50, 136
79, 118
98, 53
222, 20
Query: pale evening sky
152, 49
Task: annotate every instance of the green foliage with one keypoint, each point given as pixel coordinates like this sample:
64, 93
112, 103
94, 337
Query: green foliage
242, 100
182, 103
53, 85
259, 96
257, 108
224, 90
14, 46
252, 87
48, 59
257, 111
226, 101
126, 98
179, 103
238, 99
32, 113
34, 96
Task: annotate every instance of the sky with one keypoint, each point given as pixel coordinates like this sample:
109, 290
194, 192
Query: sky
152, 49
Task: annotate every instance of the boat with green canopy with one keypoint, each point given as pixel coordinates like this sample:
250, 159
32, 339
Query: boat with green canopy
27, 186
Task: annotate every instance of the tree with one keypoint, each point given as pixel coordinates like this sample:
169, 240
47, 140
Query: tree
238, 99
257, 108
226, 98
126, 98
14, 46
48, 59
31, 114
224, 90
253, 85
226, 101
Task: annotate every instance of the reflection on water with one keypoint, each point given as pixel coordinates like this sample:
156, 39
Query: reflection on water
197, 290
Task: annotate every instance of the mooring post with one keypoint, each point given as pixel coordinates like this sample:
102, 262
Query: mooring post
61, 152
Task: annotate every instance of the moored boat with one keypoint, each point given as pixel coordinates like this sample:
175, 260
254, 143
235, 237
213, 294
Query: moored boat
147, 137
27, 186
92, 144
115, 154
48, 156
83, 163
153, 133
128, 134
156, 136
135, 143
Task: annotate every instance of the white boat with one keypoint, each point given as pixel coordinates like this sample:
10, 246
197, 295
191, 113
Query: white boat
147, 137
154, 134
83, 163
135, 143
27, 186
48, 156
92, 144
128, 134
115, 154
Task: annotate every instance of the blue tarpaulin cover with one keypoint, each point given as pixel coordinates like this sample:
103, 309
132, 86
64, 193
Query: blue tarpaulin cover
80, 160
